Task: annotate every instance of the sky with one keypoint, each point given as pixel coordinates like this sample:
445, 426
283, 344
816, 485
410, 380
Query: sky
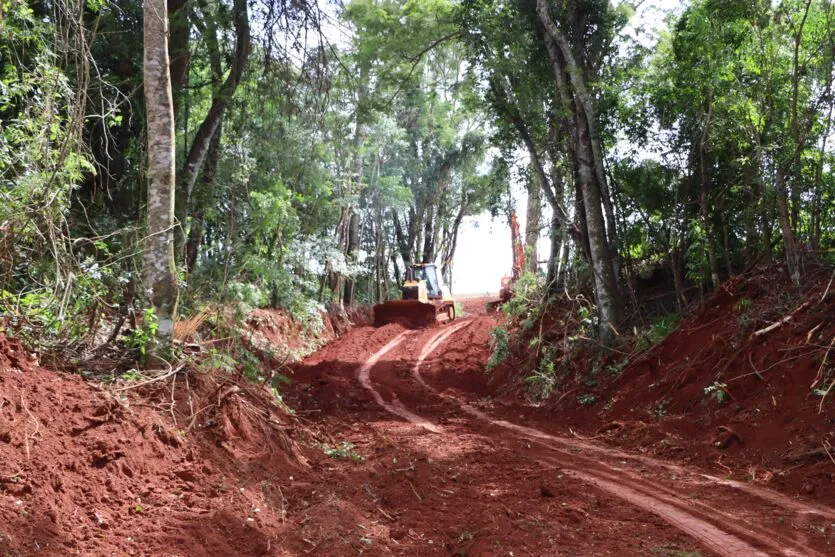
484, 253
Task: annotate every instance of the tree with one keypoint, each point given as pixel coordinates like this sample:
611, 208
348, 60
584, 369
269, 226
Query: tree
159, 270
532, 224
578, 103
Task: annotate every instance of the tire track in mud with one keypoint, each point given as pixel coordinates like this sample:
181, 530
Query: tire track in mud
772, 497
721, 532
395, 407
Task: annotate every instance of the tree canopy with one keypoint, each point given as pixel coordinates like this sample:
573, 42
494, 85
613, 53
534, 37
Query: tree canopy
319, 150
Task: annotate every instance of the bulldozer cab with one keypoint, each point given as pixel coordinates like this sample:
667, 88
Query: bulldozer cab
429, 273
424, 297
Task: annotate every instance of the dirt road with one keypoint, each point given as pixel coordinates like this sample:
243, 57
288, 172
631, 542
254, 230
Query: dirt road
426, 463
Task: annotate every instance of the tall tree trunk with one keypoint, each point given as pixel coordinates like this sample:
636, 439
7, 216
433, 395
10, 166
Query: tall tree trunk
402, 241
532, 224
516, 246
207, 178
560, 235
178, 49
676, 260
586, 117
704, 198
785, 226
509, 109
220, 101
589, 166
452, 242
562, 270
767, 230
580, 215
797, 137
380, 261
428, 238
752, 199
726, 244
360, 133
606, 287
398, 278
816, 227
555, 234
789, 215
159, 271
351, 246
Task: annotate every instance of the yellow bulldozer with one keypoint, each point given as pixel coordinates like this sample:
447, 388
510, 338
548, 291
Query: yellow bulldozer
424, 299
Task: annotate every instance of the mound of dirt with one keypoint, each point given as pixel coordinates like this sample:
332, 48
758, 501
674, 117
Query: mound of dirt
90, 471
736, 389
275, 331
359, 315
739, 385
13, 356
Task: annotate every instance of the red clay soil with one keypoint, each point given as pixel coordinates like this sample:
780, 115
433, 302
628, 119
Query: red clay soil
276, 331
444, 463
85, 471
768, 427
396, 448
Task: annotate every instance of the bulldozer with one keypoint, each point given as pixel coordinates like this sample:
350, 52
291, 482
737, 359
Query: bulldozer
424, 299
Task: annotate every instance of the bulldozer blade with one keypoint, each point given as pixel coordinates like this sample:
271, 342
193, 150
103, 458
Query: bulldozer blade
409, 313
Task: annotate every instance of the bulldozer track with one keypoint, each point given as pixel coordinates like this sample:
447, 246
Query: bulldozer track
723, 532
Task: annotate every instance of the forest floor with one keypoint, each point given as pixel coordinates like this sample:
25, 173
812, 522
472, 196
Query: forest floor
399, 445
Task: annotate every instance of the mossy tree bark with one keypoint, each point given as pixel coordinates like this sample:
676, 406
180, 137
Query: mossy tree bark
159, 271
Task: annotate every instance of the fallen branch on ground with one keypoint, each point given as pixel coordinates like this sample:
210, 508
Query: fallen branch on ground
163, 377
825, 394
780, 323
772, 366
756, 371
819, 374
578, 436
812, 332
825, 292
826, 447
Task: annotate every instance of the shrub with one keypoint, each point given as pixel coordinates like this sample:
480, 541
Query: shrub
500, 343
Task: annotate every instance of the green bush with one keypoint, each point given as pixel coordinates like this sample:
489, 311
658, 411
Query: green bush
658, 330
500, 342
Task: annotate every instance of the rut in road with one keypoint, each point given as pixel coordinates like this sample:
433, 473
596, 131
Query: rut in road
721, 532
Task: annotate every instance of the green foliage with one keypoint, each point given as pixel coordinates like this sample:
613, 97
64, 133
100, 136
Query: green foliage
46, 321
345, 451
826, 380
743, 305
332, 167
51, 289
586, 399
143, 338
616, 368
523, 305
658, 330
219, 360
546, 378
717, 391
585, 316
500, 343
